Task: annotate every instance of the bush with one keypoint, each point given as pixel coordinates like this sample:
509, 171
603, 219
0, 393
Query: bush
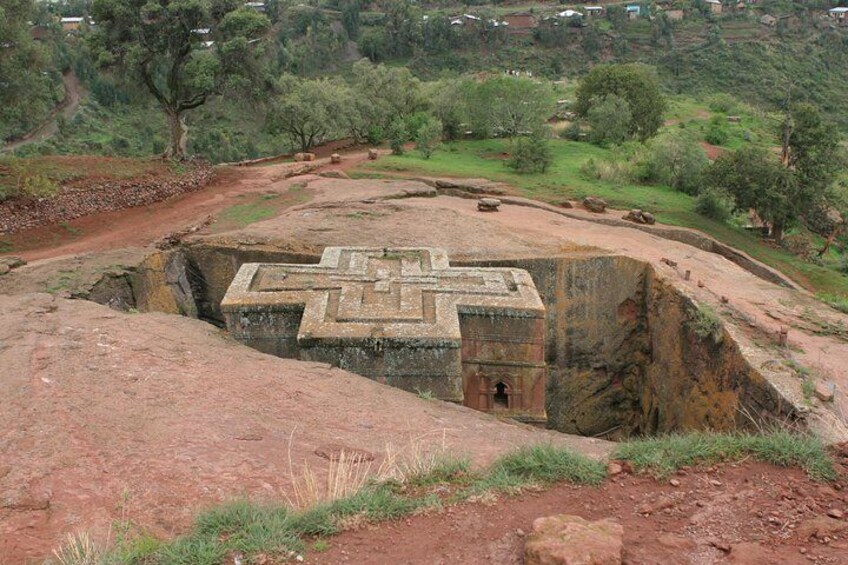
723, 103
717, 132
428, 136
714, 205
572, 132
397, 136
530, 154
610, 119
676, 160
620, 172
800, 244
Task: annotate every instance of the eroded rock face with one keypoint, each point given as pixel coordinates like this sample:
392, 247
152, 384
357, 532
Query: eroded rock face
571, 540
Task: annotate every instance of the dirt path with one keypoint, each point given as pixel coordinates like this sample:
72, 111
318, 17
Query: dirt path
74, 93
747, 514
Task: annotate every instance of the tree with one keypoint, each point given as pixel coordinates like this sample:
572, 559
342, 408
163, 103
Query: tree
24, 90
428, 136
636, 83
756, 180
610, 119
510, 106
385, 94
159, 43
308, 111
677, 160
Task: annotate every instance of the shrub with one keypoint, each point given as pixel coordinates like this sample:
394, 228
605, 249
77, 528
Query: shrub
714, 205
705, 323
620, 172
428, 136
397, 136
717, 132
723, 103
800, 244
610, 119
530, 154
572, 132
677, 160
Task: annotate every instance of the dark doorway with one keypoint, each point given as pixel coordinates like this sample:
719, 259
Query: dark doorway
501, 398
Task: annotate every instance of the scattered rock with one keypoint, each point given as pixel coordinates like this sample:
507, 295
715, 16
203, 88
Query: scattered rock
12, 262
719, 545
825, 391
335, 158
571, 540
488, 204
614, 468
373, 154
566, 204
595, 205
835, 513
300, 157
820, 527
4, 269
674, 482
639, 217
668, 262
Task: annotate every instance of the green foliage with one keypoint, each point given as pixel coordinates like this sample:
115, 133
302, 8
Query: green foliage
610, 120
508, 106
547, 464
837, 301
397, 134
308, 111
662, 456
717, 133
706, 324
677, 160
635, 83
428, 136
153, 43
723, 103
713, 204
19, 179
530, 154
572, 132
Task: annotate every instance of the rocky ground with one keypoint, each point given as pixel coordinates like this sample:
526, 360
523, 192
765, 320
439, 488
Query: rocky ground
151, 417
749, 514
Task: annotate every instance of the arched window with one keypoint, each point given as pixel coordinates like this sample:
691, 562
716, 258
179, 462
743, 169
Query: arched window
501, 397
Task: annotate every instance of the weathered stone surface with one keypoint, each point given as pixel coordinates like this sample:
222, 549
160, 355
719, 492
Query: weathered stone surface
405, 317
825, 391
566, 204
373, 154
335, 158
595, 205
571, 540
12, 262
4, 269
488, 204
300, 157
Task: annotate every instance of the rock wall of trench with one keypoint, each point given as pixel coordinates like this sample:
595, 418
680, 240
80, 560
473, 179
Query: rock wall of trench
623, 355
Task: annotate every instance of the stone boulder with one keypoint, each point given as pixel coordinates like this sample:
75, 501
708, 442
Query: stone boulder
335, 158
299, 157
571, 540
640, 217
9, 263
373, 154
595, 205
488, 204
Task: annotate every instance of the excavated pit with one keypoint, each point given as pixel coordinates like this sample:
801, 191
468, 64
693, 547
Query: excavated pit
627, 353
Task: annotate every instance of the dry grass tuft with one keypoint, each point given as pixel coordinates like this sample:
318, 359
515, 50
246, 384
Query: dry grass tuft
78, 549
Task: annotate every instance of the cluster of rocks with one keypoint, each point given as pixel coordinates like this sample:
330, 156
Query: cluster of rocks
640, 217
9, 263
18, 214
301, 157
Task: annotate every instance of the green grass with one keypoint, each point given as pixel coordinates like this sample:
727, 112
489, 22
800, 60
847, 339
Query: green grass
662, 456
546, 464
242, 215
835, 301
564, 180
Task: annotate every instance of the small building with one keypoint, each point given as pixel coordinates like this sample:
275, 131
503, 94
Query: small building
839, 14
72, 23
594, 10
520, 21
715, 6
674, 15
461, 20
633, 11
258, 6
568, 14
768, 20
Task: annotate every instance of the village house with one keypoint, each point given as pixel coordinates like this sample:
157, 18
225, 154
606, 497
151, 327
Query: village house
633, 11
715, 6
520, 22
594, 10
839, 14
258, 6
71, 24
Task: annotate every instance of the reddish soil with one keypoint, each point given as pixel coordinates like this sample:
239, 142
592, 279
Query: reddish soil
713, 151
750, 513
151, 418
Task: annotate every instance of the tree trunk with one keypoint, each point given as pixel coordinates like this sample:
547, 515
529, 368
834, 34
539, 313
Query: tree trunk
179, 135
833, 235
777, 231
